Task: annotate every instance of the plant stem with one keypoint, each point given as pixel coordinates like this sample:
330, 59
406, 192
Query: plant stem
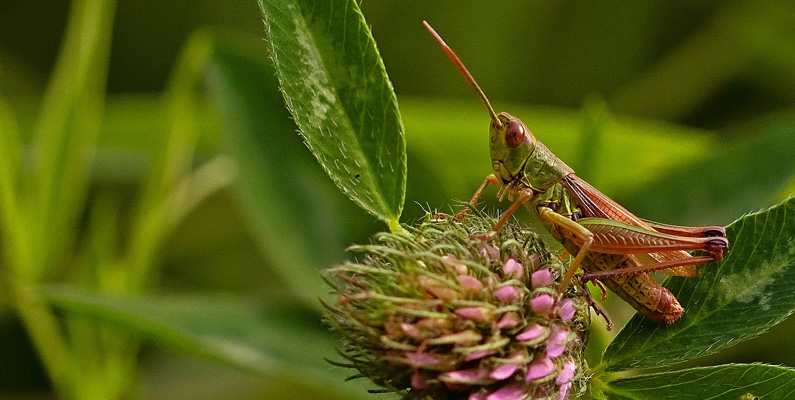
394, 226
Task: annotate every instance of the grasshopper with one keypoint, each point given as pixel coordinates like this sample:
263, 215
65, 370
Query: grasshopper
609, 243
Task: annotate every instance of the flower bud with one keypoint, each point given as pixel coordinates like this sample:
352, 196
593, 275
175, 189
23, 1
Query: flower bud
566, 310
540, 369
542, 304
532, 333
508, 320
508, 294
512, 268
556, 344
469, 282
541, 278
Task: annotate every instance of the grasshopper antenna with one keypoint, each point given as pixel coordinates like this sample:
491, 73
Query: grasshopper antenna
464, 72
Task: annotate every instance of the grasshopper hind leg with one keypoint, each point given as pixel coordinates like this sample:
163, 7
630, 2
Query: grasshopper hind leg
690, 231
583, 237
592, 304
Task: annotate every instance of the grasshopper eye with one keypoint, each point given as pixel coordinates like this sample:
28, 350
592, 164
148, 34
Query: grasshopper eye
514, 134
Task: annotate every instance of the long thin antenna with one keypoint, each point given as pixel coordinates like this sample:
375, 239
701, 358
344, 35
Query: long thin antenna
464, 72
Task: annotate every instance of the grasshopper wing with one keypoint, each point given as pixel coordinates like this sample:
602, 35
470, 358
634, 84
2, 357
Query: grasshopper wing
594, 203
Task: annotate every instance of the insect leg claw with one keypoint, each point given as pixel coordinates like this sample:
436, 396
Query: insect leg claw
592, 304
601, 288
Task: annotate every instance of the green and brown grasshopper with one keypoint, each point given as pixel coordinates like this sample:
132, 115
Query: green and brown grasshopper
609, 243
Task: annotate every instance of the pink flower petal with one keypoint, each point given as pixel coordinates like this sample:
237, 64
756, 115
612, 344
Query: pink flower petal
532, 332
455, 264
490, 252
469, 376
556, 344
477, 396
555, 349
469, 282
507, 294
564, 391
566, 310
510, 391
566, 373
418, 381
410, 330
512, 268
504, 371
542, 304
542, 278
422, 359
479, 314
509, 320
540, 369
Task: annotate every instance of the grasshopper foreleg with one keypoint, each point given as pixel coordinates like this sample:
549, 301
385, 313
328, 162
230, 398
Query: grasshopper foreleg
491, 179
524, 195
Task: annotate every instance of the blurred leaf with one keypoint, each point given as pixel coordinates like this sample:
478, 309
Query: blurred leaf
169, 189
284, 342
300, 219
452, 138
67, 127
731, 381
737, 299
133, 129
37, 239
336, 87
742, 175
693, 71
16, 76
10, 157
595, 115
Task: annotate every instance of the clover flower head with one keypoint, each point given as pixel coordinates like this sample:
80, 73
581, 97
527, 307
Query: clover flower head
437, 313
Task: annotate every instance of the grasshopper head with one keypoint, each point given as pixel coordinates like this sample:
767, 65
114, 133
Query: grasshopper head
510, 145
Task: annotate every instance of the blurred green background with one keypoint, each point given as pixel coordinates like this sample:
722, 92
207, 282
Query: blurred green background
681, 111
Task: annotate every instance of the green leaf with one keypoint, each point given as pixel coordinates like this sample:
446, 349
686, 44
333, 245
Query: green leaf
739, 176
737, 299
300, 221
280, 341
336, 87
733, 381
